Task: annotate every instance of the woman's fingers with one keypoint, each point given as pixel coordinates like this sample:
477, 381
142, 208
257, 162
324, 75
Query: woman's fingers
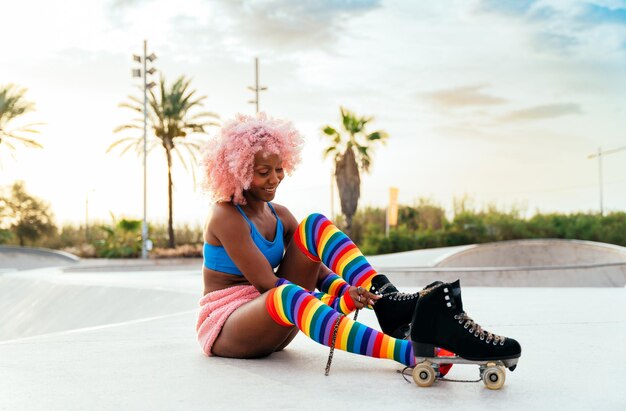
362, 298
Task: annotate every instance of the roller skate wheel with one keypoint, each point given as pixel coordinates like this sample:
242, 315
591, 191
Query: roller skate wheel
424, 374
494, 377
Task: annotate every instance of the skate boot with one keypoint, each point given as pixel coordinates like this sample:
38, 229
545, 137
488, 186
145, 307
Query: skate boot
439, 321
395, 309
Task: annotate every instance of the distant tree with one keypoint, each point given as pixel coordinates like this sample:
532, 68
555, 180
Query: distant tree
171, 121
13, 104
27, 217
351, 147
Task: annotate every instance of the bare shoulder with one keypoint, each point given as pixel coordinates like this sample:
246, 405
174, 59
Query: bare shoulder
284, 214
289, 221
224, 218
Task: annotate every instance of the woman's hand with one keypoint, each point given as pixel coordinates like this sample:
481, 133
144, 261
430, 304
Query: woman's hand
362, 298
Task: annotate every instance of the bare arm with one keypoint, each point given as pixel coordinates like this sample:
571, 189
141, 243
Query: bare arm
233, 232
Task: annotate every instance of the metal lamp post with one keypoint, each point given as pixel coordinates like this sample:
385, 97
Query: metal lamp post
144, 72
256, 87
599, 154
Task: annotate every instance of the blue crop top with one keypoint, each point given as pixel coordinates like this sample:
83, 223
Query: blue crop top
216, 258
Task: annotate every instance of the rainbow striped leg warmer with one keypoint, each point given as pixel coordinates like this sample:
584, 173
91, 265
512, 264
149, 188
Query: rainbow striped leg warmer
343, 303
334, 293
333, 284
321, 240
290, 305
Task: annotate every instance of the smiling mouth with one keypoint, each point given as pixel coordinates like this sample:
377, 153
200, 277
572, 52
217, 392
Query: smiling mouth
270, 190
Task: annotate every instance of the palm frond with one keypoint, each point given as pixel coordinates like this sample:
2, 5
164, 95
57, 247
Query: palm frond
26, 130
329, 131
329, 150
194, 146
8, 144
127, 127
180, 158
13, 103
152, 144
132, 107
204, 114
377, 135
120, 141
137, 146
194, 162
135, 99
26, 141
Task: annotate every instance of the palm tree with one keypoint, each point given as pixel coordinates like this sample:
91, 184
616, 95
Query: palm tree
171, 121
13, 104
351, 156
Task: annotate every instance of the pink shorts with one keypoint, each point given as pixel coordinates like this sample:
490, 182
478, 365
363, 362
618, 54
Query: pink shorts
216, 307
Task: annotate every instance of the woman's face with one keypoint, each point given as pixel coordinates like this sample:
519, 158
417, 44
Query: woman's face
267, 174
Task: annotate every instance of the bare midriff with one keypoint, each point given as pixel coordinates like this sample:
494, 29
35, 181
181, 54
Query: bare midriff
217, 280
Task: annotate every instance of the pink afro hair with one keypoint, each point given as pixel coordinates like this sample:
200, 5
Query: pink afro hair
228, 159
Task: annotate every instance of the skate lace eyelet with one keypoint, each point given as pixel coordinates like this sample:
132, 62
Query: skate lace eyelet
482, 337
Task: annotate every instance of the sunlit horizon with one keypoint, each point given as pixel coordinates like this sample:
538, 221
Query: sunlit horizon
499, 101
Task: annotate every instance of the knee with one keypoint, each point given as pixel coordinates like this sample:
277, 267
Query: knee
315, 217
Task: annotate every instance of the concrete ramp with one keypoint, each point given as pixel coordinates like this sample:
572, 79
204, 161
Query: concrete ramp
14, 258
40, 304
535, 253
522, 263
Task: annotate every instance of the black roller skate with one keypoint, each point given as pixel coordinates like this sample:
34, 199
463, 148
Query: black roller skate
395, 309
440, 321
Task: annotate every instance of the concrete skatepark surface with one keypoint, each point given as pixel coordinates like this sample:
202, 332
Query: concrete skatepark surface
87, 337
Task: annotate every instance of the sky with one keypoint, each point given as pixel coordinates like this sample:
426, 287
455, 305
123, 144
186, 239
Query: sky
501, 101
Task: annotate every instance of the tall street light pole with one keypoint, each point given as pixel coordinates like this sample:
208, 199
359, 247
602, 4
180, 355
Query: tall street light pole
256, 87
144, 72
599, 154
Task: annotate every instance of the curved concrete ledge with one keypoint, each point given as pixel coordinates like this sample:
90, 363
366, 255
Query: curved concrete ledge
525, 263
26, 258
535, 252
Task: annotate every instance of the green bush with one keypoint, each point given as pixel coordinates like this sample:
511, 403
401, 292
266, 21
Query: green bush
123, 240
5, 236
425, 225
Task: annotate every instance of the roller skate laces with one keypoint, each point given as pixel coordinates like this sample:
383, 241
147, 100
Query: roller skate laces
334, 340
474, 328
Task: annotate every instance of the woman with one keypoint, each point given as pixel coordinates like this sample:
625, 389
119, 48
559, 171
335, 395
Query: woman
261, 267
